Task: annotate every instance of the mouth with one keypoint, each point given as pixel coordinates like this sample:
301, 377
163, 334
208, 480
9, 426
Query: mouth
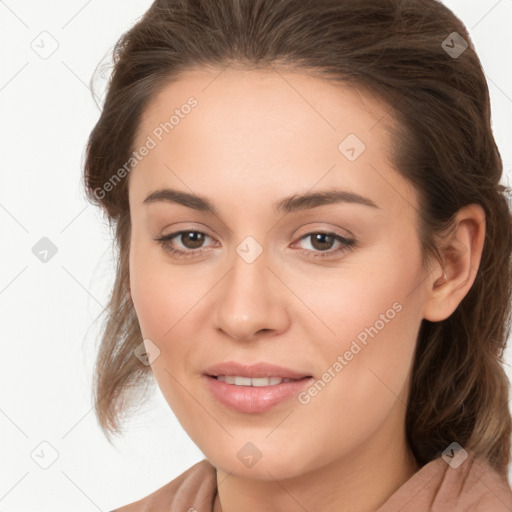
254, 388
257, 382
242, 374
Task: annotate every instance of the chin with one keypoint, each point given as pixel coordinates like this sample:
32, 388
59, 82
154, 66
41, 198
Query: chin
261, 464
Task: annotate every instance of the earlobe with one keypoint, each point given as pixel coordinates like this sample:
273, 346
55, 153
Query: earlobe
461, 254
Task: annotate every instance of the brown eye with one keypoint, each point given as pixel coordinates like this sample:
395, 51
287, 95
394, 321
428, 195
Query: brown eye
191, 243
322, 241
192, 239
322, 245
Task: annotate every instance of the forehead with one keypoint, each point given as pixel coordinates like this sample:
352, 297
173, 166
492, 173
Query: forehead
237, 99
253, 130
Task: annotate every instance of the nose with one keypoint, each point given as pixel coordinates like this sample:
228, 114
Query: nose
252, 301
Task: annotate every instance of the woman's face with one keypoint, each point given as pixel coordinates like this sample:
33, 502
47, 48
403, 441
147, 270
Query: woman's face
258, 281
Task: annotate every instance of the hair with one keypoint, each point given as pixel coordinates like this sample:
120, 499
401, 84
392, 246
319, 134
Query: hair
442, 143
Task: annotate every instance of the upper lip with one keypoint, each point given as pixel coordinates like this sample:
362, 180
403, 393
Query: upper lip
257, 370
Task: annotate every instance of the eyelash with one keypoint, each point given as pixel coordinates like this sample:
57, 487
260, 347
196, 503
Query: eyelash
347, 245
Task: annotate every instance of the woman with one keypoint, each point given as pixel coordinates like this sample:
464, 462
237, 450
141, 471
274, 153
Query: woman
314, 254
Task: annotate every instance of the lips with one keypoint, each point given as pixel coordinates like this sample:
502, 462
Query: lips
253, 371
255, 400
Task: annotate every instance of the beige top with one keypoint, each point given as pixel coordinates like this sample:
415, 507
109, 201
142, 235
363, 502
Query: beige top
436, 487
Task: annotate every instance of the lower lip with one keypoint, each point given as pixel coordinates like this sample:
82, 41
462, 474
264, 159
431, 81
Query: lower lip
254, 399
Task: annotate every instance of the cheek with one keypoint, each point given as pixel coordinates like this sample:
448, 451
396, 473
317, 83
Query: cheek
162, 306
373, 319
355, 304
374, 336
167, 300
154, 292
366, 370
160, 303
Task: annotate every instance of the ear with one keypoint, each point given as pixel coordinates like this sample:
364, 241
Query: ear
461, 258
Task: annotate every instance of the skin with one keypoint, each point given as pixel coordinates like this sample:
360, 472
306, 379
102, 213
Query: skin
255, 137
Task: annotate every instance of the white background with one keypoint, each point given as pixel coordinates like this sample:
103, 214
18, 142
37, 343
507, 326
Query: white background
48, 310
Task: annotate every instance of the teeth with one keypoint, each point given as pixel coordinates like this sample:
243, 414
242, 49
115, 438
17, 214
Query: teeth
247, 381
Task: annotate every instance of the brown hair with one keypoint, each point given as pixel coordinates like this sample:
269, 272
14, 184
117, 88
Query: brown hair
443, 144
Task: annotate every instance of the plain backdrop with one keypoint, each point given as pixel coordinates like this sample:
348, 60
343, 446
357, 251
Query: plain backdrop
49, 51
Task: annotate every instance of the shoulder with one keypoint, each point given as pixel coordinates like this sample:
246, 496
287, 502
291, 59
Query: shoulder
194, 490
473, 486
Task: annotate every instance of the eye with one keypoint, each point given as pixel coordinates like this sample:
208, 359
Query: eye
193, 241
322, 241
190, 239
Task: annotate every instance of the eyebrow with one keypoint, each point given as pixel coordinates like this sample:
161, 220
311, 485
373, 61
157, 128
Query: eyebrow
289, 204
